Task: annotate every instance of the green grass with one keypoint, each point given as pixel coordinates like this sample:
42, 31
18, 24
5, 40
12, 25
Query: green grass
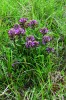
33, 77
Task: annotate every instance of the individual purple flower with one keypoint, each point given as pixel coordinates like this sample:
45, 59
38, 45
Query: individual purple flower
23, 20
46, 39
44, 30
31, 37
32, 23
49, 49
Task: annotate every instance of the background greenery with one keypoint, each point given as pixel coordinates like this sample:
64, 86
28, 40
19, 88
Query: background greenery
46, 79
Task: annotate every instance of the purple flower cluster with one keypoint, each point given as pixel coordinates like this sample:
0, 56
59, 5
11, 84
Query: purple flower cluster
31, 42
44, 31
19, 29
46, 39
16, 30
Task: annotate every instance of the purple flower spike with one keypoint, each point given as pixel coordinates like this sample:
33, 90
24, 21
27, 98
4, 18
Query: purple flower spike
32, 23
46, 39
23, 20
31, 37
29, 44
36, 43
44, 30
22, 31
16, 30
16, 26
19, 31
11, 32
49, 49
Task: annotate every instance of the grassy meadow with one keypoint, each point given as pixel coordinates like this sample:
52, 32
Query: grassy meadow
32, 73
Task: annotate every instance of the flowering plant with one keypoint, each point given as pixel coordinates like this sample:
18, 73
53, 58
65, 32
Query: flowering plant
28, 44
